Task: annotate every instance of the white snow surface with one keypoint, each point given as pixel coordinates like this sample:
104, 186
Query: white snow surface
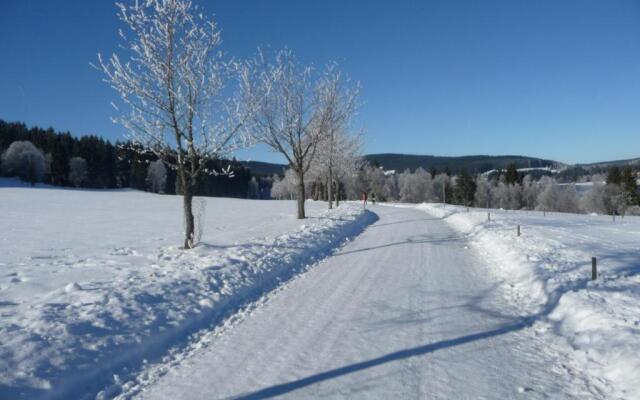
93, 284
548, 272
409, 309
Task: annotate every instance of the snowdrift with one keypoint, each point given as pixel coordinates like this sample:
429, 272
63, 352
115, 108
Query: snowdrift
547, 272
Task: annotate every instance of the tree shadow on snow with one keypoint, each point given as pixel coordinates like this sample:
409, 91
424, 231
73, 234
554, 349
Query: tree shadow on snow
417, 239
505, 324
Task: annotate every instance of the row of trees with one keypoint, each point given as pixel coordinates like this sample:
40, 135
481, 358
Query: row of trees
43, 155
618, 194
184, 101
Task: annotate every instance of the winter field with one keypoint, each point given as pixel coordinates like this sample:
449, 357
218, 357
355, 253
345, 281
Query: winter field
548, 273
93, 284
411, 301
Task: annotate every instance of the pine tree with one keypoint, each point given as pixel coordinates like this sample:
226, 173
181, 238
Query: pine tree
512, 177
614, 176
465, 188
629, 186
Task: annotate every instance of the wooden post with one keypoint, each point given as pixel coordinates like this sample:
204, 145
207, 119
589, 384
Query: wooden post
518, 229
594, 269
488, 216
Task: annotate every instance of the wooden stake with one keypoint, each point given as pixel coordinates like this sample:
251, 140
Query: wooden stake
518, 229
594, 269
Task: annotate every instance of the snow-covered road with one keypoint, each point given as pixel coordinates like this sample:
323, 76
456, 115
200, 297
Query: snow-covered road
407, 310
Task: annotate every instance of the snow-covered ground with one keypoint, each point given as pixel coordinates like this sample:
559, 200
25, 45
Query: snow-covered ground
407, 310
548, 273
93, 283
96, 298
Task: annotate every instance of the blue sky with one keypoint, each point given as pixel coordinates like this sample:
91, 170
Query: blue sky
554, 79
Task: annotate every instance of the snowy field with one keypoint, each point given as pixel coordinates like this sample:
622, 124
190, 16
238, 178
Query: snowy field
93, 284
548, 272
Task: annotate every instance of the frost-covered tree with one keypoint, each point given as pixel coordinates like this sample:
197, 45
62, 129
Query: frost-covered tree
376, 179
78, 171
156, 176
177, 90
296, 109
554, 197
484, 191
391, 188
253, 190
530, 192
338, 102
284, 188
441, 188
276, 187
415, 187
604, 199
515, 197
24, 160
347, 161
500, 195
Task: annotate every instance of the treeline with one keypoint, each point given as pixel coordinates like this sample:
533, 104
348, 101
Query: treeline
92, 162
613, 193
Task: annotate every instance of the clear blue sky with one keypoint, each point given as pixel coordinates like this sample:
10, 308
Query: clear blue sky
554, 79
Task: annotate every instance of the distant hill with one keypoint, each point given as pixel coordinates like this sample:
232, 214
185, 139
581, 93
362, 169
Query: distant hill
607, 164
473, 164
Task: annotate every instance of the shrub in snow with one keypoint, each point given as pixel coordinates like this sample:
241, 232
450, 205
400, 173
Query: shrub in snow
24, 160
77, 171
156, 176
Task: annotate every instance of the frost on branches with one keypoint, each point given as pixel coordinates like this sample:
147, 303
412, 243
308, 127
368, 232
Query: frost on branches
338, 153
297, 108
181, 97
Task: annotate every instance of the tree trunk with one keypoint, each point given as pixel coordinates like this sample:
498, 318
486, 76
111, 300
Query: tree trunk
188, 213
301, 196
337, 194
316, 190
329, 188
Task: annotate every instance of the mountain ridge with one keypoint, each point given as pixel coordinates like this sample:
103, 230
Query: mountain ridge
473, 164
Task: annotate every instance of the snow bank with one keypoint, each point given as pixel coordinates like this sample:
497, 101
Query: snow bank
93, 286
547, 271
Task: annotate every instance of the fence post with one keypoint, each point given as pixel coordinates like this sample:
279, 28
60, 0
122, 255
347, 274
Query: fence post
488, 216
518, 229
594, 269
